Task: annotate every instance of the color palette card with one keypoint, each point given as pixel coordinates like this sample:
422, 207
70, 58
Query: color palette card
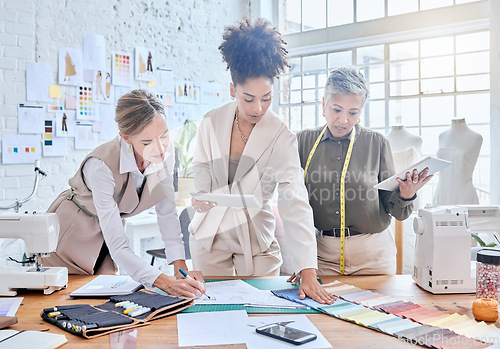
86, 109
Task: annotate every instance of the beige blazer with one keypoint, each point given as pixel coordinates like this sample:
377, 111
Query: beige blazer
270, 160
80, 235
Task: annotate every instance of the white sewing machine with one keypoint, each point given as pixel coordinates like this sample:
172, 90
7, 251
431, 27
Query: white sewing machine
40, 233
443, 247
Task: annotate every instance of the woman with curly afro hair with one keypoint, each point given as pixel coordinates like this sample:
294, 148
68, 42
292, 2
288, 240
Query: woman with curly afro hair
244, 148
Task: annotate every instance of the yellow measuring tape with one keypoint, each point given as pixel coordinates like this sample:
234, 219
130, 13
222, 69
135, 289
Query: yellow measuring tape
342, 190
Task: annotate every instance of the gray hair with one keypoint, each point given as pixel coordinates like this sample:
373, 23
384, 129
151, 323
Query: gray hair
344, 81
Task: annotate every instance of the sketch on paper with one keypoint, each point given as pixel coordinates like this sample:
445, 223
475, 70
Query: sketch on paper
186, 92
103, 91
144, 64
70, 66
65, 123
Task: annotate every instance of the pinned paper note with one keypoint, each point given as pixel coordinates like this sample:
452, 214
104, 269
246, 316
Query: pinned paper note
54, 108
145, 60
85, 138
152, 83
21, 149
55, 91
121, 65
51, 145
65, 125
70, 66
30, 118
70, 102
38, 79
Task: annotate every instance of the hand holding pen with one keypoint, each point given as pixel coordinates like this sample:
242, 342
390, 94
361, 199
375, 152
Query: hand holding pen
187, 276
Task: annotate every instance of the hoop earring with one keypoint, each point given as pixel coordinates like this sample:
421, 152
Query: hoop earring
130, 149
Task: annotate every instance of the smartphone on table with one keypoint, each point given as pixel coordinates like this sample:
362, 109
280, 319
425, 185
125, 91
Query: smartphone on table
286, 333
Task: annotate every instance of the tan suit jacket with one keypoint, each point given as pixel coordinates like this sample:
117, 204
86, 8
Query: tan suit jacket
80, 236
270, 160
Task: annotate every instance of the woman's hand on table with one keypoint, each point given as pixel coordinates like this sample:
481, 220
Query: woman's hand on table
413, 182
202, 206
310, 287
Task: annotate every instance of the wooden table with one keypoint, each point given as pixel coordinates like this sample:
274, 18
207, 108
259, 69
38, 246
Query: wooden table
162, 333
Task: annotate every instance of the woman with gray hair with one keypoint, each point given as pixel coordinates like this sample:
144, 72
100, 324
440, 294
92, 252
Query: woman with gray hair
342, 161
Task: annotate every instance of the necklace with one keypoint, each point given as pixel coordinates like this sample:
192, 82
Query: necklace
245, 139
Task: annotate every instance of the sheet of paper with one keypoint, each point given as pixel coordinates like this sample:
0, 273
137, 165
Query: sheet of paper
51, 145
165, 80
65, 125
30, 118
38, 80
121, 63
109, 128
55, 91
54, 108
9, 306
21, 149
265, 298
101, 83
211, 328
85, 138
145, 62
228, 292
211, 93
70, 66
70, 102
186, 92
87, 109
94, 51
257, 341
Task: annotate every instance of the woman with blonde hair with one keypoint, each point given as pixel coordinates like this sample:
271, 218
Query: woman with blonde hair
120, 179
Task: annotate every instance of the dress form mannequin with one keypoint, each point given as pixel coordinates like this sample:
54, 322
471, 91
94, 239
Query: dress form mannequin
405, 146
461, 146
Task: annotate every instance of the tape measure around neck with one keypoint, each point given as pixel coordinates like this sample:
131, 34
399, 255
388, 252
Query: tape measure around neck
342, 189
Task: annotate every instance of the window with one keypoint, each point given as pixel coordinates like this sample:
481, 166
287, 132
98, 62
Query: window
304, 15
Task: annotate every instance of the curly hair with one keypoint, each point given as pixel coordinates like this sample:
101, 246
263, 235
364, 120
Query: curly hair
253, 50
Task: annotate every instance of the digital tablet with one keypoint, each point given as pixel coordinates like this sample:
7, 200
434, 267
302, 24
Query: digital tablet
434, 165
229, 200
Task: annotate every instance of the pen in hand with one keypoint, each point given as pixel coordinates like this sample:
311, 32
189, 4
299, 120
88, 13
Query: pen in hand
187, 276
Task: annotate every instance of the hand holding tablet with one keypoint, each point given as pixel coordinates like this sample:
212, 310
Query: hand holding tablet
229, 200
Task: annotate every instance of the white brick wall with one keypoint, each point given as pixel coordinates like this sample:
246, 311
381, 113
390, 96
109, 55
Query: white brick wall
185, 34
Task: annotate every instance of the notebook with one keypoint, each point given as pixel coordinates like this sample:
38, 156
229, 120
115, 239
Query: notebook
11, 339
106, 286
434, 165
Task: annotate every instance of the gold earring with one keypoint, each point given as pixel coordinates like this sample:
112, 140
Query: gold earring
130, 149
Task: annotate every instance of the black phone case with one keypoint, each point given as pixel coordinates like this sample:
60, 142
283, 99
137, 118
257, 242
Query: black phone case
286, 339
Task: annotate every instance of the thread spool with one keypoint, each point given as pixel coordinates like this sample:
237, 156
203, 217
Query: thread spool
485, 309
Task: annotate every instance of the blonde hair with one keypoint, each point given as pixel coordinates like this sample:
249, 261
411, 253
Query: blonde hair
135, 110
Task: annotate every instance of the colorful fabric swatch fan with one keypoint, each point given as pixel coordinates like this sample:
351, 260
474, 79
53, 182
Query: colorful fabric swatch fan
403, 319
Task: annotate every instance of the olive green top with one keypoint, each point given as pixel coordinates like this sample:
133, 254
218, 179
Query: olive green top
368, 210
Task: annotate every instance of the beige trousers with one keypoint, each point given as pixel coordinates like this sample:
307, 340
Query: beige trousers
226, 258
365, 254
